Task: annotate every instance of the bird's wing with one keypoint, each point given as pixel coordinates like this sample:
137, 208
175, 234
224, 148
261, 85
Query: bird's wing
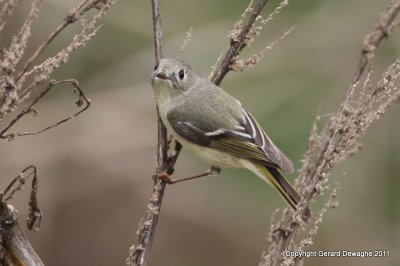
262, 140
247, 140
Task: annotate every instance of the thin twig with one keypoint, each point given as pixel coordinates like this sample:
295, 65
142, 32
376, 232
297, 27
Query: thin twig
79, 102
236, 45
334, 134
251, 61
13, 54
12, 80
185, 44
6, 11
158, 49
371, 42
35, 215
73, 16
139, 254
21, 178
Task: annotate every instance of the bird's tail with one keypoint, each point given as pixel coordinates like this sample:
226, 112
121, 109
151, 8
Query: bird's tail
275, 178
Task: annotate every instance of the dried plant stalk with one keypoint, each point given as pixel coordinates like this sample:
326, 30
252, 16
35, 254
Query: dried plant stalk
81, 101
13, 87
185, 44
15, 248
362, 105
251, 61
6, 11
239, 38
139, 254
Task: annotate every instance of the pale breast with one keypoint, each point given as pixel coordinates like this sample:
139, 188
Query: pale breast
209, 155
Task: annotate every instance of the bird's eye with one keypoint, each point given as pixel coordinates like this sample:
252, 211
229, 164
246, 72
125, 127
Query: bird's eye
155, 67
181, 74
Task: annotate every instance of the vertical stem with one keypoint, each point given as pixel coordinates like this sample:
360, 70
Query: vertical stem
159, 186
280, 242
139, 255
157, 30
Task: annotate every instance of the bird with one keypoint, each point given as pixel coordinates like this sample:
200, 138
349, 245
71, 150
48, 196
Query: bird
216, 127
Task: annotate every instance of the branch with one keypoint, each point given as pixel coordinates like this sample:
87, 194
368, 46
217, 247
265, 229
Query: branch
372, 41
338, 140
72, 17
185, 44
12, 81
29, 109
138, 255
15, 248
236, 45
6, 12
158, 49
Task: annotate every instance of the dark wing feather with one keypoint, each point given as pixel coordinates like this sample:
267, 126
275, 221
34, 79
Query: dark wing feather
191, 133
241, 149
264, 142
247, 141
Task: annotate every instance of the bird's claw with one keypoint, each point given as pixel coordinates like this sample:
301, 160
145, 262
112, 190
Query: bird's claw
163, 176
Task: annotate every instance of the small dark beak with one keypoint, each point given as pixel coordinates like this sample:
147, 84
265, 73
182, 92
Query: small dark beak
162, 75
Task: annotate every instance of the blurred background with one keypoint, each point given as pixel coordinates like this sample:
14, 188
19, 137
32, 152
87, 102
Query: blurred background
95, 171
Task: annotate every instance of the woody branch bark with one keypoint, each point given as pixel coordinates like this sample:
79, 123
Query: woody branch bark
15, 247
139, 254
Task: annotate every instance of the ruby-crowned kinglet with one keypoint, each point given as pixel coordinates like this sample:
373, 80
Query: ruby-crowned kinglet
216, 127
